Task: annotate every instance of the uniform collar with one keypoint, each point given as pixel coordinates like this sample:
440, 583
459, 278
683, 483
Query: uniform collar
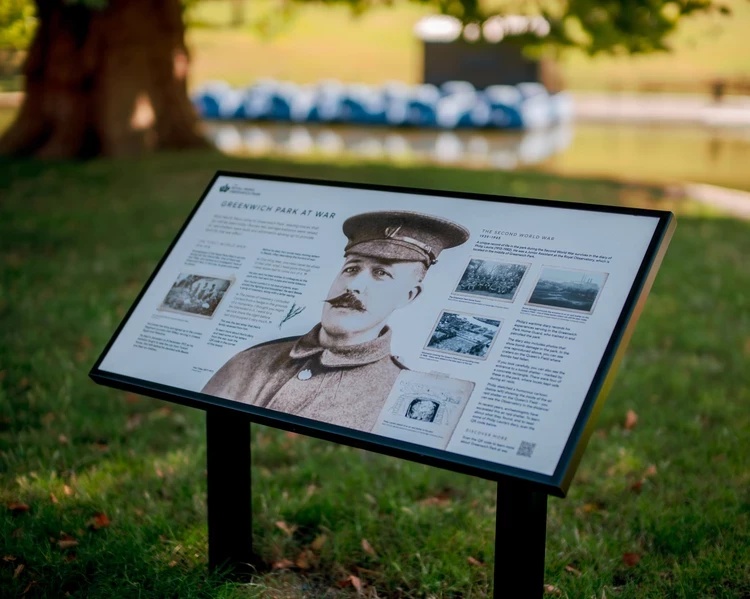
350, 355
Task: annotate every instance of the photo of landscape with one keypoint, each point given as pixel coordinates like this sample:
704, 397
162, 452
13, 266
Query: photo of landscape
464, 334
491, 279
566, 289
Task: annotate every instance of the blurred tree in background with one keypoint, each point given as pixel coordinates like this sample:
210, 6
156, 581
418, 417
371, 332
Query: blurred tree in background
109, 77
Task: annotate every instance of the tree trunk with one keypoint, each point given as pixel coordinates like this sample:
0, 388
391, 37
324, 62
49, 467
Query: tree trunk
111, 82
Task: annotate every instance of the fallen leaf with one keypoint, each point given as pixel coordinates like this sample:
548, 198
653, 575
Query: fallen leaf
351, 581
631, 419
18, 570
62, 439
439, 500
172, 564
52, 498
9, 558
572, 570
303, 559
637, 485
370, 498
28, 587
101, 446
67, 543
133, 422
591, 507
291, 435
18, 507
67, 490
550, 589
631, 559
311, 490
99, 520
650, 471
289, 530
282, 564
318, 543
474, 562
368, 548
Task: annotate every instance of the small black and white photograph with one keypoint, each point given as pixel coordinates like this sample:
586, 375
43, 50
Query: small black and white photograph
492, 279
422, 408
198, 295
464, 334
566, 289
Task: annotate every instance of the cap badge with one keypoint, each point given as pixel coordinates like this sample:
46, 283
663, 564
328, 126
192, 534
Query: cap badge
305, 375
392, 231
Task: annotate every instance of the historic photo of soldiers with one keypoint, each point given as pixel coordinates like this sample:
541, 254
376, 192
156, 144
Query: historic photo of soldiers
491, 279
464, 334
565, 289
342, 370
198, 295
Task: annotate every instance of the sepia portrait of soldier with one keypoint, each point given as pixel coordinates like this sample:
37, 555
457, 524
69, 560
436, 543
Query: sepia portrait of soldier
342, 371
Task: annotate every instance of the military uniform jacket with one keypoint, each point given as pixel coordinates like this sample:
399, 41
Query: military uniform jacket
346, 386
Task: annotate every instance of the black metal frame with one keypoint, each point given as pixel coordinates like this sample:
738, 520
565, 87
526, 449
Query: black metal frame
555, 484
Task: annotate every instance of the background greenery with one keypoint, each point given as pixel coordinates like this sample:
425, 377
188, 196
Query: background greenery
659, 508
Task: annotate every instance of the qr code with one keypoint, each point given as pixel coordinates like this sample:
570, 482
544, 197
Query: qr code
526, 449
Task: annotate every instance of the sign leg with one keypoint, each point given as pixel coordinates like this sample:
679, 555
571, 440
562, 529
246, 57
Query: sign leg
520, 536
230, 526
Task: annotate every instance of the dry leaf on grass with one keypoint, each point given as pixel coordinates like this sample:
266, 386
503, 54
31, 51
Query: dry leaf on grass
282, 564
99, 520
172, 564
631, 559
67, 543
18, 507
67, 490
368, 548
572, 570
637, 485
439, 500
318, 543
303, 561
550, 589
650, 471
631, 419
133, 422
62, 439
52, 498
18, 570
289, 530
351, 581
9, 558
474, 562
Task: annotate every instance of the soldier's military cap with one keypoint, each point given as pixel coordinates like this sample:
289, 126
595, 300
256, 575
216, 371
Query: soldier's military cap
402, 236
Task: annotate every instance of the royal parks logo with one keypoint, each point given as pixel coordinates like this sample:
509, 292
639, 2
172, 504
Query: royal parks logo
238, 188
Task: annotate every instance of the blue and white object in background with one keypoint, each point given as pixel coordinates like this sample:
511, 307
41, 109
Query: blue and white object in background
455, 105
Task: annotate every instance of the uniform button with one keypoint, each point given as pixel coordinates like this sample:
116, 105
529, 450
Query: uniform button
305, 374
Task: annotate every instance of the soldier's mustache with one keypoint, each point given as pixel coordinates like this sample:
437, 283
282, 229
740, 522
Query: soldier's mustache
347, 300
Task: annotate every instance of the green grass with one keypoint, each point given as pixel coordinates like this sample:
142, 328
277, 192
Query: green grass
77, 241
327, 41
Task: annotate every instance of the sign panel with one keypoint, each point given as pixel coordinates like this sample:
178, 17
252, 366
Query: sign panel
470, 332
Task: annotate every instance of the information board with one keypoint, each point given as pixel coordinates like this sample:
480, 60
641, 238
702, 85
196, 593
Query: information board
470, 332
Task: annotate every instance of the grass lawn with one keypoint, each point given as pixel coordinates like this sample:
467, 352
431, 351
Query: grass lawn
77, 241
326, 41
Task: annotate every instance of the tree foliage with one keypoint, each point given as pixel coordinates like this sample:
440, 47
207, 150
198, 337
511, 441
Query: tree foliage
595, 26
17, 24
